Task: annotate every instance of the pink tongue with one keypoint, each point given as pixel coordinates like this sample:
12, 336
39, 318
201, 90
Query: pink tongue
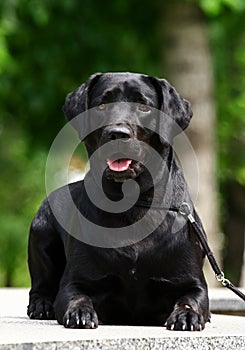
119, 164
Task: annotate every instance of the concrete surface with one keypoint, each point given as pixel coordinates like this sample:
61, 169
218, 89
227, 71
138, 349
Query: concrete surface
225, 301
17, 332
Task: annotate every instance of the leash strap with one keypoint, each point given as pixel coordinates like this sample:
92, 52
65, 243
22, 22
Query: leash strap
186, 212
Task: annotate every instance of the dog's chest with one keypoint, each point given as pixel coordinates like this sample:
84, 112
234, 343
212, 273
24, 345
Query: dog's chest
153, 257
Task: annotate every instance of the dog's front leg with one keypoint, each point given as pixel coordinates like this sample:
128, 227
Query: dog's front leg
191, 312
74, 309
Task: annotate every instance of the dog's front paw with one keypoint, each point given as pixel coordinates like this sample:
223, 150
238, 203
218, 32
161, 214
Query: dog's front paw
185, 319
40, 308
82, 316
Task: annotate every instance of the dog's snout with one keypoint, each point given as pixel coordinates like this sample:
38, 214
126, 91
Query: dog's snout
119, 133
116, 133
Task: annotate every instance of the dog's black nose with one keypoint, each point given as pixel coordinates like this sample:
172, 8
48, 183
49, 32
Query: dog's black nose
116, 133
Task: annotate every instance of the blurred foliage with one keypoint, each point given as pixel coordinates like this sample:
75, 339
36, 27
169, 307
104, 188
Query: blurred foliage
227, 32
21, 192
47, 48
228, 39
215, 7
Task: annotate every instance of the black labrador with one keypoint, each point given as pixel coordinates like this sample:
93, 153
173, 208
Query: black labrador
155, 279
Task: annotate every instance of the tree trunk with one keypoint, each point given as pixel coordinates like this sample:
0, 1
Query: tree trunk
188, 66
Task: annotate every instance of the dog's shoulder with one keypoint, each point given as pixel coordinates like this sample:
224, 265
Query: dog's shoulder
66, 196
58, 201
71, 189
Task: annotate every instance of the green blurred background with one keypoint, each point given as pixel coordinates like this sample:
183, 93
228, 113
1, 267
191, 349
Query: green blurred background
47, 48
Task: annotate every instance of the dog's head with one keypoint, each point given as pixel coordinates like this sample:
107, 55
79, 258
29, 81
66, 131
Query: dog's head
124, 108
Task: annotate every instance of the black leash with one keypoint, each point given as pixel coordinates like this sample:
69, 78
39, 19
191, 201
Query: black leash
186, 212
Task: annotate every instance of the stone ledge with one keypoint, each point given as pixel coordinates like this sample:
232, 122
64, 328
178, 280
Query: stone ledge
224, 301
17, 332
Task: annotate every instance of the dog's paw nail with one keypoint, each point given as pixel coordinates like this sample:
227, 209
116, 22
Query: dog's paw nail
183, 327
83, 322
31, 315
172, 327
192, 328
92, 324
77, 320
67, 322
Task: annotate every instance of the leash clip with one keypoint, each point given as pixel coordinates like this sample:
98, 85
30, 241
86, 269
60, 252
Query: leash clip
185, 210
221, 278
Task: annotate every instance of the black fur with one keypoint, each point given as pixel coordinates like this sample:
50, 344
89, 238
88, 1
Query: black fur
154, 281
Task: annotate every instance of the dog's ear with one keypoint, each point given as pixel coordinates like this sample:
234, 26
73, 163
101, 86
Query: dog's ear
76, 104
173, 106
77, 101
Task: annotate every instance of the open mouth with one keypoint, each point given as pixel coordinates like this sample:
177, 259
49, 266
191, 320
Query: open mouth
120, 168
119, 165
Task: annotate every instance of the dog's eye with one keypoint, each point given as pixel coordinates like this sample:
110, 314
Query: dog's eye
144, 108
101, 107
